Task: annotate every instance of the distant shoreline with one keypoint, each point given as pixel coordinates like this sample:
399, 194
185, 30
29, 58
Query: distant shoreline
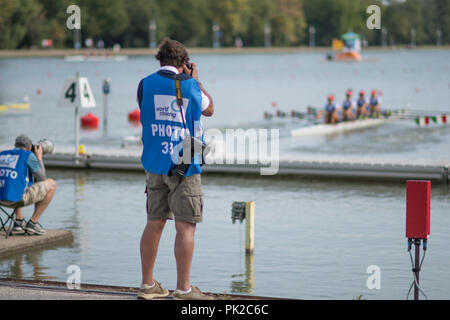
34, 53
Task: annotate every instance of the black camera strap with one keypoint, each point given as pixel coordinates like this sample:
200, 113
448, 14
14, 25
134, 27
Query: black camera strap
181, 169
179, 97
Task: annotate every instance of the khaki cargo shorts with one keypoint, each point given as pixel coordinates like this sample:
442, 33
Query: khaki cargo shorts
33, 194
36, 192
167, 198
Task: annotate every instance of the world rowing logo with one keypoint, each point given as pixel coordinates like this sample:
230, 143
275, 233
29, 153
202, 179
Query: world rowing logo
166, 108
174, 106
9, 161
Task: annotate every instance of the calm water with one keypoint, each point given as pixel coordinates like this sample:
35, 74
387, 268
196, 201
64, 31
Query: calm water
314, 238
243, 87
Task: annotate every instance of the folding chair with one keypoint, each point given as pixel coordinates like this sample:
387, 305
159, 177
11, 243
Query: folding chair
9, 215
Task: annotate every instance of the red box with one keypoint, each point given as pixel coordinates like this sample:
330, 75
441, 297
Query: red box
418, 194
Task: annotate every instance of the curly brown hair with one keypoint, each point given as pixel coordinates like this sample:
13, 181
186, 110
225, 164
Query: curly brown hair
172, 53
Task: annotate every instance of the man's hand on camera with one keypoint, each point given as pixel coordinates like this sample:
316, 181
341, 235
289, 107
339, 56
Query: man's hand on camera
193, 73
209, 111
38, 152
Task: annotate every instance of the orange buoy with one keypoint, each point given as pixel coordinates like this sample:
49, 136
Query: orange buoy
89, 121
134, 116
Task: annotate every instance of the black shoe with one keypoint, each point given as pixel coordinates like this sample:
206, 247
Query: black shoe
19, 225
34, 228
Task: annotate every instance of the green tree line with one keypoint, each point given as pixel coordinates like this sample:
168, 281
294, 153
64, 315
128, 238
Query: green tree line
25, 23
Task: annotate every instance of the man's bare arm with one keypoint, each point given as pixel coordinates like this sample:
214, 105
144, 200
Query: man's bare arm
208, 112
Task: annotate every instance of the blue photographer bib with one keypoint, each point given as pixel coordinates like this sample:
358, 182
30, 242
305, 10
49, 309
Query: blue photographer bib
162, 121
13, 174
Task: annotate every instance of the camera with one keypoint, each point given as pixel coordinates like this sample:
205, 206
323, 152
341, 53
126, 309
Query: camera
189, 66
46, 145
194, 144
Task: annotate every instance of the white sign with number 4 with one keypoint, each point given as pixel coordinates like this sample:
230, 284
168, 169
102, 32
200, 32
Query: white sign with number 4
77, 95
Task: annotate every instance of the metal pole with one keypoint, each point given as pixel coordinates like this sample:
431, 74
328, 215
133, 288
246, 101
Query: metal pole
77, 121
312, 36
152, 33
267, 35
215, 31
77, 39
383, 37
249, 227
413, 37
416, 268
106, 89
105, 108
438, 37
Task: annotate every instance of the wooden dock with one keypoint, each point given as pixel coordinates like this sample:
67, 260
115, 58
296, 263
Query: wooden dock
318, 166
345, 167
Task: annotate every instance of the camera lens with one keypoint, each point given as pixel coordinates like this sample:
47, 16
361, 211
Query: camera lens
46, 145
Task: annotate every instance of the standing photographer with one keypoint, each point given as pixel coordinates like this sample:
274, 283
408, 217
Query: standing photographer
172, 193
19, 167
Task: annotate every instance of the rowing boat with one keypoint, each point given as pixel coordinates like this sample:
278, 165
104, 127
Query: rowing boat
324, 129
14, 106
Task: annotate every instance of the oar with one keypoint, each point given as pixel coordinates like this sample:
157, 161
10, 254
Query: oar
420, 112
311, 111
421, 119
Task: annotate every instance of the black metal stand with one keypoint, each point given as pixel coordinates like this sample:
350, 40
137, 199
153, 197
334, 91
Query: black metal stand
416, 265
416, 269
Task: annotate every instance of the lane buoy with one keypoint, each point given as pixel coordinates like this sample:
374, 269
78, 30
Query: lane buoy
89, 121
134, 116
81, 149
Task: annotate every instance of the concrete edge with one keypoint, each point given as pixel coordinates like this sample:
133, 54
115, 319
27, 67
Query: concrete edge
11, 246
109, 289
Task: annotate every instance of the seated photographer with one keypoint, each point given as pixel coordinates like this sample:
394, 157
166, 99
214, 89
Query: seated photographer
19, 167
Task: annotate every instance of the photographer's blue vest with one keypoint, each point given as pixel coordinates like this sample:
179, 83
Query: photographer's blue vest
162, 121
13, 174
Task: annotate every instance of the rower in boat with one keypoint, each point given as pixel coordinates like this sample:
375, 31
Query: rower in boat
362, 105
331, 111
347, 107
374, 104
